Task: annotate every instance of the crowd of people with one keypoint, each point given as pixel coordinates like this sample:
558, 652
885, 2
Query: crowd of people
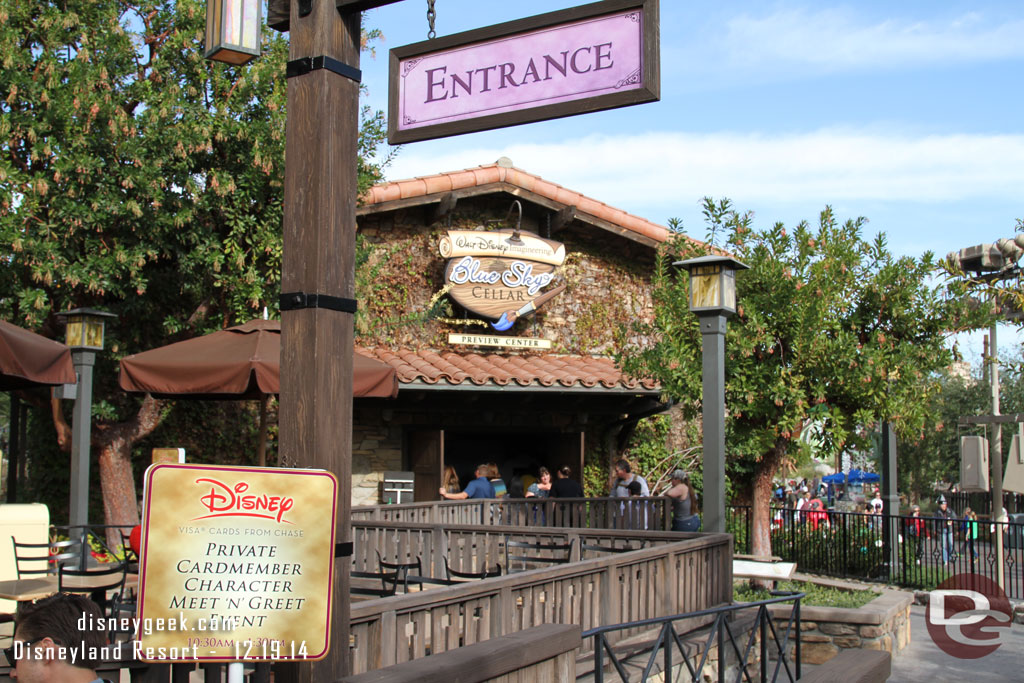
487, 483
622, 483
948, 529
953, 535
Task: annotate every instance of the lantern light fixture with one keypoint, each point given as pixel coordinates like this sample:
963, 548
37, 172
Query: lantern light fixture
85, 327
712, 284
233, 31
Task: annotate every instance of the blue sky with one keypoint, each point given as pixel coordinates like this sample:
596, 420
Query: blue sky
909, 114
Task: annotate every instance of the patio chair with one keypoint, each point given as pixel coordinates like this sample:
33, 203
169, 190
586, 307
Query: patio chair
94, 582
124, 605
456, 576
536, 554
39, 559
364, 583
129, 555
401, 569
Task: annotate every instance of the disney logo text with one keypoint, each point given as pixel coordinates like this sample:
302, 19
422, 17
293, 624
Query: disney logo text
227, 501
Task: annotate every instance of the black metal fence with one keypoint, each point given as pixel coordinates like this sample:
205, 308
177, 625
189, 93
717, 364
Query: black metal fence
981, 502
753, 646
853, 545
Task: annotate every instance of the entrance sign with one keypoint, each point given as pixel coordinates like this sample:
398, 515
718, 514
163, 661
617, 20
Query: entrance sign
598, 56
500, 274
237, 563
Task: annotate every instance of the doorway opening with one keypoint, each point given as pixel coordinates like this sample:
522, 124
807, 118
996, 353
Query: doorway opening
518, 455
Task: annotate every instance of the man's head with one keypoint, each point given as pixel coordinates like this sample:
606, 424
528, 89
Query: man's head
622, 469
44, 627
483, 470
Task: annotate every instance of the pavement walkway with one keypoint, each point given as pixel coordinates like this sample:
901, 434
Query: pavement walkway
923, 662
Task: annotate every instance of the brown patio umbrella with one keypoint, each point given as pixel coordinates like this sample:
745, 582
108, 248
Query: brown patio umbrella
30, 360
242, 362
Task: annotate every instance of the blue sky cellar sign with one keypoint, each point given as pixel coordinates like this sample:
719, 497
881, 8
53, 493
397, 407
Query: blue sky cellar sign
500, 275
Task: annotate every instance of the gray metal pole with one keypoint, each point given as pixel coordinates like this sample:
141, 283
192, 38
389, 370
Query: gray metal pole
996, 456
81, 431
712, 330
890, 499
14, 448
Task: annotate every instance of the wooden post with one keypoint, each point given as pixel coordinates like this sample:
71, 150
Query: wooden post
319, 246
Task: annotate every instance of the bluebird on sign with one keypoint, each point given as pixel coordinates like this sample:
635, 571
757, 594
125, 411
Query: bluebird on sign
598, 56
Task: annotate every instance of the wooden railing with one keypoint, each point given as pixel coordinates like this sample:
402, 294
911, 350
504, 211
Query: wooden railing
543, 653
653, 513
669, 573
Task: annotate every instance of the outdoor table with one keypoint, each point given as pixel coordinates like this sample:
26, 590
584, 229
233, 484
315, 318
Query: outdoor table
25, 590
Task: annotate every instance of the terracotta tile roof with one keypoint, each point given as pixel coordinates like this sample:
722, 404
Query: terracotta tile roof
430, 367
502, 172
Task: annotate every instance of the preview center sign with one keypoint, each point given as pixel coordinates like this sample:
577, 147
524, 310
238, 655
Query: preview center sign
237, 563
573, 61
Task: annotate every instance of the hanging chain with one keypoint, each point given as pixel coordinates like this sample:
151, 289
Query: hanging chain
431, 16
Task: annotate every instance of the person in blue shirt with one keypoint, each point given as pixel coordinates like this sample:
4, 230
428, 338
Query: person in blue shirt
480, 487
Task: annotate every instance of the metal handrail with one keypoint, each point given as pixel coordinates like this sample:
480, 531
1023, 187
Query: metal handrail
720, 628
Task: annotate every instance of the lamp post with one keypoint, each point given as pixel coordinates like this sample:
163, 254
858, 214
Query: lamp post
890, 498
713, 300
84, 335
317, 266
993, 263
232, 31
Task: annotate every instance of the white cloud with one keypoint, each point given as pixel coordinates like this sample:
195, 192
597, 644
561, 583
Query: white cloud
825, 166
832, 40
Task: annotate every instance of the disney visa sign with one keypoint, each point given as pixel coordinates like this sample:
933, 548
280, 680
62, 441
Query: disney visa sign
573, 61
241, 558
503, 274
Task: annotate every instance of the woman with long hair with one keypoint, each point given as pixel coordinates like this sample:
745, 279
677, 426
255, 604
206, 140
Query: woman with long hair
685, 513
450, 480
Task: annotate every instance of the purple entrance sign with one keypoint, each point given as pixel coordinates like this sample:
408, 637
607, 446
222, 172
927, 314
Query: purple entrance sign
574, 61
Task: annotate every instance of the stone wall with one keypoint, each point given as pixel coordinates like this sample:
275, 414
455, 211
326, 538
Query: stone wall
376, 448
882, 624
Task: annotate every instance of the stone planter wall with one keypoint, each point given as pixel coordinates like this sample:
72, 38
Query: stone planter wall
882, 624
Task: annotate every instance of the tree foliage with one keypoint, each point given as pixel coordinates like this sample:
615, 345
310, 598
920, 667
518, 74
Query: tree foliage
831, 328
139, 178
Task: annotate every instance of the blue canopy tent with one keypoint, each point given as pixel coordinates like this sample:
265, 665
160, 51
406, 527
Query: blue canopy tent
861, 477
837, 478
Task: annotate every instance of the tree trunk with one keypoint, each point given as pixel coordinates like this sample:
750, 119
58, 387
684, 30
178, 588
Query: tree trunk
761, 523
117, 479
118, 483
